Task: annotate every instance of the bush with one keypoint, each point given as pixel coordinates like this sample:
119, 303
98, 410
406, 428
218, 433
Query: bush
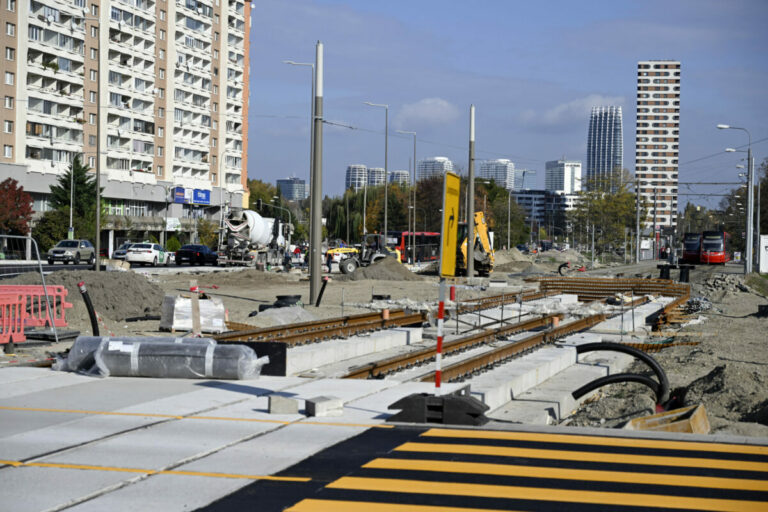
173, 244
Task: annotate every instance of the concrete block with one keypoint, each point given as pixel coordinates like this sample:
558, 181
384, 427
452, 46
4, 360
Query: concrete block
279, 404
324, 406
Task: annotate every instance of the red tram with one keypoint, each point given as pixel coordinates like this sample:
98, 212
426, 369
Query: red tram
691, 247
715, 247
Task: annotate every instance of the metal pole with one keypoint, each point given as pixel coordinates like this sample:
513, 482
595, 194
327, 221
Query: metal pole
637, 220
365, 199
386, 170
101, 56
71, 233
315, 268
750, 209
471, 196
509, 210
413, 236
655, 226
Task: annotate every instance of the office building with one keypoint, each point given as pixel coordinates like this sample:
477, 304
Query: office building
657, 138
151, 93
522, 178
357, 177
563, 176
375, 176
501, 171
605, 148
293, 189
431, 167
401, 177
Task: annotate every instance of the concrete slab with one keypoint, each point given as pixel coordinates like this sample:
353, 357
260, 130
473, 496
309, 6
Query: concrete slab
312, 356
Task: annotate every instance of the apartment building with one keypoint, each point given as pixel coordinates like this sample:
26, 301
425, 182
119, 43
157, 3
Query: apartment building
357, 177
563, 176
293, 189
501, 171
401, 177
435, 166
152, 94
657, 138
605, 148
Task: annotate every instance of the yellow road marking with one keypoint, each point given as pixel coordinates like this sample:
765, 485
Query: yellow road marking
194, 417
597, 440
311, 505
568, 474
543, 494
624, 458
88, 467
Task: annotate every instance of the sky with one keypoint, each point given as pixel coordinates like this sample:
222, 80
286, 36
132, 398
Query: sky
533, 70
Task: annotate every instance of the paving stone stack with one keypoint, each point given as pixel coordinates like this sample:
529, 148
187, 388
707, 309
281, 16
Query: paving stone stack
727, 283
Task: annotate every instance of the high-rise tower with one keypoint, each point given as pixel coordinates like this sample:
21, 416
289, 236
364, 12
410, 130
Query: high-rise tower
605, 148
657, 137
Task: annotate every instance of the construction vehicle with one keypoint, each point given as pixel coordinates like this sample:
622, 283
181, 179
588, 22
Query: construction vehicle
372, 250
483, 248
249, 239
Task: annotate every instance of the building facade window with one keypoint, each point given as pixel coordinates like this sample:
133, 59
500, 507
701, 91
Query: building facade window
9, 78
10, 29
159, 150
94, 10
161, 131
94, 31
8, 126
162, 15
160, 112
91, 140
162, 35
94, 54
161, 54
10, 5
91, 162
91, 118
92, 96
159, 170
93, 75
8, 102
161, 73
8, 151
10, 53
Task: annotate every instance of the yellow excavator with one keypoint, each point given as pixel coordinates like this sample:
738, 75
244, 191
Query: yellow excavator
483, 250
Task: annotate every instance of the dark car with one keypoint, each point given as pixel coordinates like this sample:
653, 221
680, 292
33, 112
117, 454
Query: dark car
196, 255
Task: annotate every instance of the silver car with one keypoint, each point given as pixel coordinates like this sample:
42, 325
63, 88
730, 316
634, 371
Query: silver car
119, 254
74, 251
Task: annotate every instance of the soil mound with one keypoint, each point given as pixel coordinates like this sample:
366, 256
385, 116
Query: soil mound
562, 256
731, 392
509, 256
387, 269
115, 295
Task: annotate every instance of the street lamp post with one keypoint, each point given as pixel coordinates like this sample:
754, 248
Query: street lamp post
750, 197
413, 191
509, 212
386, 153
71, 231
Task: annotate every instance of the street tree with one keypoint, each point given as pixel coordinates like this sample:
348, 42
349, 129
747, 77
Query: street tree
15, 208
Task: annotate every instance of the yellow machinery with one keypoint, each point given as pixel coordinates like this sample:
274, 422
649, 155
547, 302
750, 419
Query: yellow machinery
483, 251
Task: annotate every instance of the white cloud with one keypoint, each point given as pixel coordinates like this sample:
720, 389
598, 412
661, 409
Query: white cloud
426, 112
572, 112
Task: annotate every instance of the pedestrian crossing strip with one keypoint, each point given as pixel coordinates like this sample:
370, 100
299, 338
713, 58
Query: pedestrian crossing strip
436, 469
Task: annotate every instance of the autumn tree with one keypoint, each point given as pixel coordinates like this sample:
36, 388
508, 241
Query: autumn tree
15, 208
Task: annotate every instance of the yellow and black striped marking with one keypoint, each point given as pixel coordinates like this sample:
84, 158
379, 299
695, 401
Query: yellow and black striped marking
452, 470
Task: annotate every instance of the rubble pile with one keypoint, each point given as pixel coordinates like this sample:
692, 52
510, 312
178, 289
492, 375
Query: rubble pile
728, 283
385, 269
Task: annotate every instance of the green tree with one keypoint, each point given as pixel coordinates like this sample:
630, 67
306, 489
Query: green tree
15, 208
173, 244
261, 190
208, 232
83, 204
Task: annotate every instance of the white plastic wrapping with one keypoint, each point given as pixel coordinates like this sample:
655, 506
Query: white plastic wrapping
182, 361
80, 356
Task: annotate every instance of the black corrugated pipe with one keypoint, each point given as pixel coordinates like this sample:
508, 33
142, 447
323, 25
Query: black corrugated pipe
663, 392
89, 305
619, 377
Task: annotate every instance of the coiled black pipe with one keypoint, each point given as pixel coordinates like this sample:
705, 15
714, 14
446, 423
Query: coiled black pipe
89, 306
663, 392
619, 377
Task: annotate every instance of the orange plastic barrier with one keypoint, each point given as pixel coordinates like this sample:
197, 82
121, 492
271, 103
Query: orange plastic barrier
12, 317
34, 301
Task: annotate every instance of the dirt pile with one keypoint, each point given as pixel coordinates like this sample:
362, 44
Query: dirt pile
731, 392
509, 256
522, 267
561, 256
115, 295
387, 269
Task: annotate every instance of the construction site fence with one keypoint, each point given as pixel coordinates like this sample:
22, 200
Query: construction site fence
12, 317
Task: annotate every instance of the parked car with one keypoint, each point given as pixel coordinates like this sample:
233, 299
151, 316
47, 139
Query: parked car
146, 254
119, 253
73, 251
196, 255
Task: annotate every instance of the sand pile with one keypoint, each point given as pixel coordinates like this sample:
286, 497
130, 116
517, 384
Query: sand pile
509, 256
387, 269
562, 256
115, 295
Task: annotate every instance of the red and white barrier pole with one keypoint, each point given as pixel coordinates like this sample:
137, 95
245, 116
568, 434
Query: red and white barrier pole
440, 317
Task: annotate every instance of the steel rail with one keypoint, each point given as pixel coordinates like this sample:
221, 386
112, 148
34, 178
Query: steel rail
469, 367
396, 363
240, 330
342, 331
494, 301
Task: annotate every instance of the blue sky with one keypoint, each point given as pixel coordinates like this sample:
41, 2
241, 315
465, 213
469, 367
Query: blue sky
532, 69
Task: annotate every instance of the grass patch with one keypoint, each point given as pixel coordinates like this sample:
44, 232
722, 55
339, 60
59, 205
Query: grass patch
758, 282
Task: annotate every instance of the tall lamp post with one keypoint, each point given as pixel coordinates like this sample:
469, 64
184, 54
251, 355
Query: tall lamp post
413, 187
386, 153
750, 197
71, 231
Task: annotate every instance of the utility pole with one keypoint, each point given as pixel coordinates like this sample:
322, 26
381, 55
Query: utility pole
637, 220
316, 205
471, 197
655, 226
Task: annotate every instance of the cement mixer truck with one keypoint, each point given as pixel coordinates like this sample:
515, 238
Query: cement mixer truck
249, 239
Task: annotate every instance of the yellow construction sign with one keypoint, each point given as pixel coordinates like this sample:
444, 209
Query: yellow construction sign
449, 231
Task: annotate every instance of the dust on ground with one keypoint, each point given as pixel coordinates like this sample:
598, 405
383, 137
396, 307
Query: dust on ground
727, 372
